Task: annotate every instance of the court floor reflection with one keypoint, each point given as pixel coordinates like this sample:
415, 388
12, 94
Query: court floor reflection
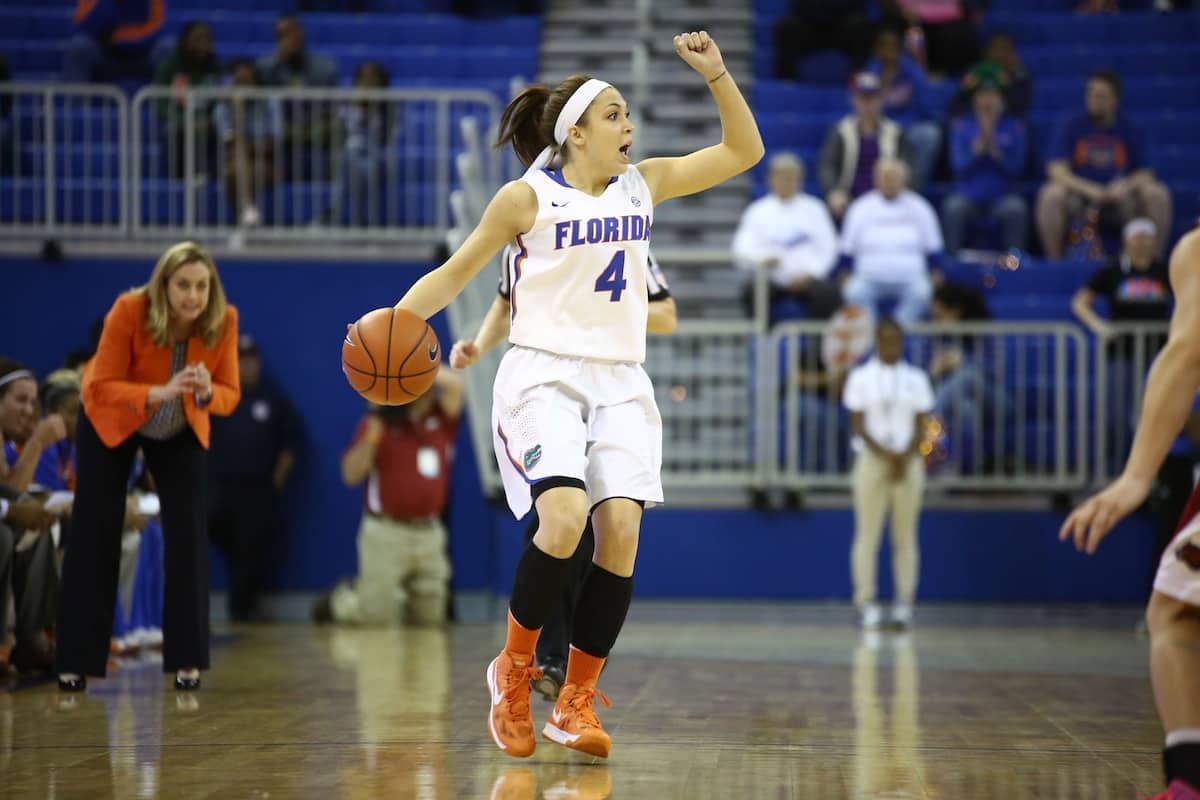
709, 701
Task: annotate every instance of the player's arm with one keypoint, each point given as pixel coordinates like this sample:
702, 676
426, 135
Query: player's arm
741, 144
1167, 403
492, 331
662, 317
511, 212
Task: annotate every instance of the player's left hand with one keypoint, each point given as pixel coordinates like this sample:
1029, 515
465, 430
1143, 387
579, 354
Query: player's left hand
1093, 520
700, 52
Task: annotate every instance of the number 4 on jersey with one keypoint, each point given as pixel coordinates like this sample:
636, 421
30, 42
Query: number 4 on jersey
612, 280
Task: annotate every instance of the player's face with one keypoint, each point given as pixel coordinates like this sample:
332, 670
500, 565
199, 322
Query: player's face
609, 132
19, 410
187, 291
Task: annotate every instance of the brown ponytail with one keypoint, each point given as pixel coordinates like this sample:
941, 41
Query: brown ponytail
528, 122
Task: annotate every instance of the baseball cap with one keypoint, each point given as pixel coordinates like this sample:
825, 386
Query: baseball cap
865, 83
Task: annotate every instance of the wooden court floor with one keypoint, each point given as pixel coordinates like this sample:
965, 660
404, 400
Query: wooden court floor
709, 701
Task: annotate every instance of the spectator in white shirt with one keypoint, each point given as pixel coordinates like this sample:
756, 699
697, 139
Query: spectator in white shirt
791, 235
891, 235
888, 400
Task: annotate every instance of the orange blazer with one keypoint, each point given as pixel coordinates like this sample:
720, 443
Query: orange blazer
117, 381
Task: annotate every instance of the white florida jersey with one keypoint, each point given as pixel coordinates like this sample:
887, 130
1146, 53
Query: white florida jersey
577, 279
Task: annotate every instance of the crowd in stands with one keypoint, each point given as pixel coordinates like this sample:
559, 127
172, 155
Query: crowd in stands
976, 160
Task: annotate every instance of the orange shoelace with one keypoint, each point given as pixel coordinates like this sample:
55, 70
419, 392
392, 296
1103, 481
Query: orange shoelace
583, 702
516, 688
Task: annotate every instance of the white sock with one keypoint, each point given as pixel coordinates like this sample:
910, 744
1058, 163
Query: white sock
1183, 736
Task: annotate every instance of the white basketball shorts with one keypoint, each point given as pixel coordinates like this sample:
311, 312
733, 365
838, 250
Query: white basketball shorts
559, 416
1179, 570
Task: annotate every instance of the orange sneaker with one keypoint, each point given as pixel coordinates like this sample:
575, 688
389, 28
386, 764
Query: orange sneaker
511, 720
574, 723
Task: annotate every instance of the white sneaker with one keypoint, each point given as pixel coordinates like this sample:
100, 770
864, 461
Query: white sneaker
871, 616
902, 615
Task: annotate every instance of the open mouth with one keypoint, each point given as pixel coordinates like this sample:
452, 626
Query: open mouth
625, 148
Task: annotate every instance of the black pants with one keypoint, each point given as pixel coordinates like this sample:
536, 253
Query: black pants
241, 524
821, 298
32, 578
554, 643
89, 579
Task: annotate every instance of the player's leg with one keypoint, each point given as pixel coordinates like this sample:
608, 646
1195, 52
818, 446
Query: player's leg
623, 473
540, 441
1173, 619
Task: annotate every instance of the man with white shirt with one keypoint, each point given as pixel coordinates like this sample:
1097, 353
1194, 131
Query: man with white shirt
791, 235
888, 400
891, 235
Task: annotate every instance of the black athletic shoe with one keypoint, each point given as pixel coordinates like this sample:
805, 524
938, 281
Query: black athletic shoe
554, 673
322, 610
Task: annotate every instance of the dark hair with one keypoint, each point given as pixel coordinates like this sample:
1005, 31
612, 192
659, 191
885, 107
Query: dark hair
238, 63
967, 300
528, 122
375, 65
888, 322
7, 367
1109, 77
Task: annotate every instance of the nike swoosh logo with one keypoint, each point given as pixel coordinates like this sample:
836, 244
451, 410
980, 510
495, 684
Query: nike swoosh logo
433, 352
497, 695
560, 205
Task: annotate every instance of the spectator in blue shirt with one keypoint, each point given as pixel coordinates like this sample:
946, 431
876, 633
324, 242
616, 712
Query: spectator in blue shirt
987, 152
905, 100
1097, 166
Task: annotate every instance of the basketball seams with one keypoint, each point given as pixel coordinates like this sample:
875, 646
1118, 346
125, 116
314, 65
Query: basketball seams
424, 337
362, 345
387, 365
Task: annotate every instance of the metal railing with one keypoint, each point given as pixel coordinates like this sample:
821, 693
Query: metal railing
63, 158
296, 164
1122, 363
303, 165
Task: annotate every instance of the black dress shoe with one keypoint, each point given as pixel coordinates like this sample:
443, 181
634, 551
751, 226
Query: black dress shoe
186, 684
72, 684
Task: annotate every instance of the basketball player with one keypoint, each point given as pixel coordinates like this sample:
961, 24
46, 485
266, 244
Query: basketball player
1173, 616
576, 429
554, 642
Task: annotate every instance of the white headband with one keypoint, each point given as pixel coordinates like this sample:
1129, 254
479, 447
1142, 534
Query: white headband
16, 375
571, 113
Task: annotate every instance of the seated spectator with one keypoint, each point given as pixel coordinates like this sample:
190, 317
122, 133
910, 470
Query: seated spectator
248, 128
115, 40
855, 143
890, 235
1137, 287
369, 130
812, 25
944, 30
308, 125
905, 100
965, 393
192, 64
1097, 167
23, 437
987, 154
790, 234
404, 453
27, 574
59, 397
31, 553
1003, 66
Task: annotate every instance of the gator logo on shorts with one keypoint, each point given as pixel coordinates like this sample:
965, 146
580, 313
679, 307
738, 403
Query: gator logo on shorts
1190, 555
532, 456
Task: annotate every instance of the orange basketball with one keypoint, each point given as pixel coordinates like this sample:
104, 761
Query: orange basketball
391, 356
